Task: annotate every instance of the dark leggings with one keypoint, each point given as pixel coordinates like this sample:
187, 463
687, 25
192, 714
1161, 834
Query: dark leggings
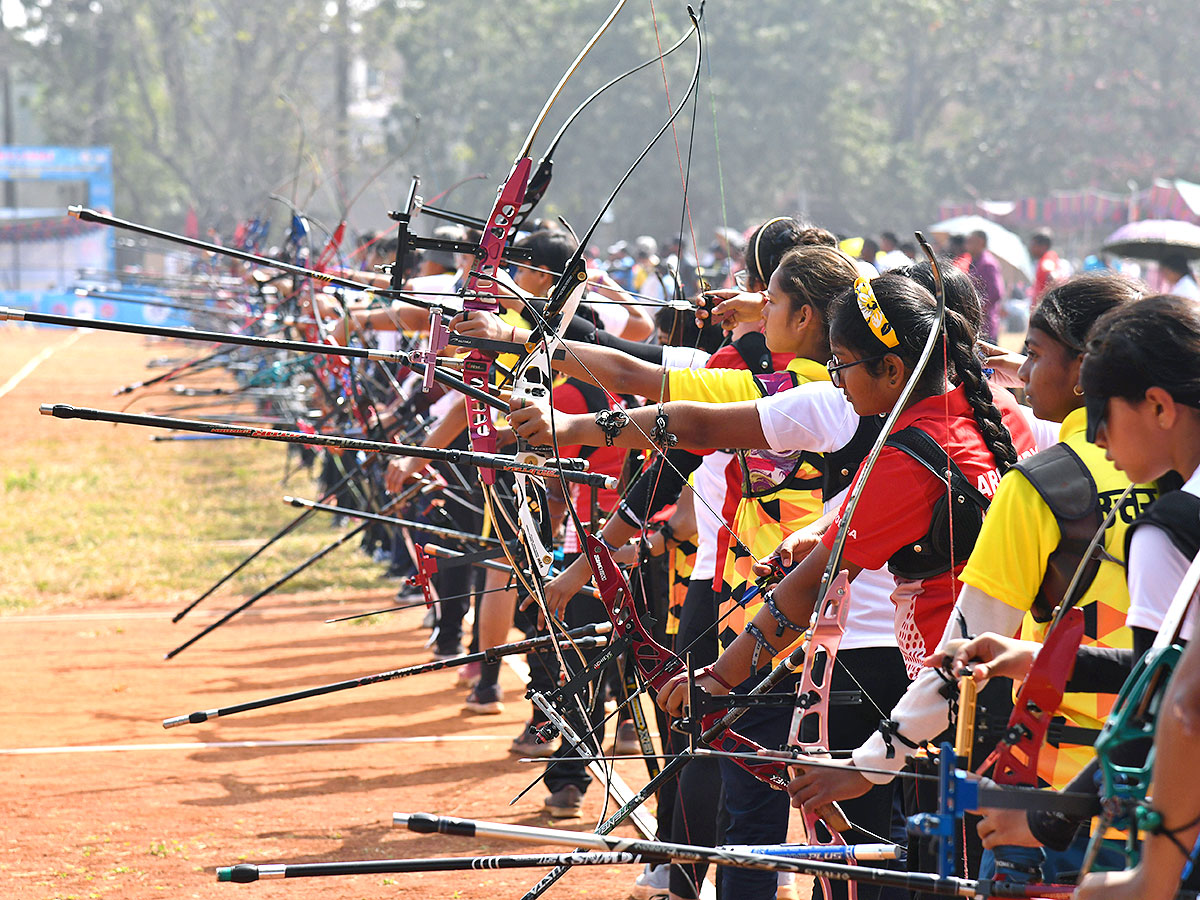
694, 819
876, 673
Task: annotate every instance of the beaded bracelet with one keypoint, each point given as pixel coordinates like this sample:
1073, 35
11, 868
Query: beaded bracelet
659, 434
611, 422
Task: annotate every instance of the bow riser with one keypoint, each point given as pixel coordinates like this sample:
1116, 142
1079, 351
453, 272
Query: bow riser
1016, 756
657, 665
824, 640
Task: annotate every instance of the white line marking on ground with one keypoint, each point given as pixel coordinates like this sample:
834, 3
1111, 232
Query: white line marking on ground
83, 617
164, 616
243, 745
44, 355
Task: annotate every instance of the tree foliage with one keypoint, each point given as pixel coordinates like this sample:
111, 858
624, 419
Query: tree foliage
863, 116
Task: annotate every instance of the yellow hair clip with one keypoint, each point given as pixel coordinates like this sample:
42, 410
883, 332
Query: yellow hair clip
873, 315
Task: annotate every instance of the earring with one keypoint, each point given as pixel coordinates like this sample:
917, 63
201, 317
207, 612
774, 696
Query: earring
1078, 391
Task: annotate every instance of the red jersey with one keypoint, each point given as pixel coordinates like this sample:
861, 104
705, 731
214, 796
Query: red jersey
1044, 275
897, 504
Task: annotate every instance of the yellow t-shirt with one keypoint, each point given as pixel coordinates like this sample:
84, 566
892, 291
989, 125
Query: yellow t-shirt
1009, 563
760, 523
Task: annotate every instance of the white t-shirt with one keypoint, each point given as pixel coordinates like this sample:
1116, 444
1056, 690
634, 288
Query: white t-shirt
683, 358
1045, 433
1155, 568
893, 259
613, 316
1186, 287
708, 483
813, 416
817, 416
437, 290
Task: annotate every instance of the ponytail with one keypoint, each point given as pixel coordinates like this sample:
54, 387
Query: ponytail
911, 311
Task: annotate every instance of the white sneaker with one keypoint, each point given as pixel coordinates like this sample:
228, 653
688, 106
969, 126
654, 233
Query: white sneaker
654, 883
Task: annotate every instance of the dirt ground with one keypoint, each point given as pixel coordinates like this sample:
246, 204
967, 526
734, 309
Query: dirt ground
99, 801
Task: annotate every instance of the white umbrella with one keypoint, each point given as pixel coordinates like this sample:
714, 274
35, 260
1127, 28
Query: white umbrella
1004, 244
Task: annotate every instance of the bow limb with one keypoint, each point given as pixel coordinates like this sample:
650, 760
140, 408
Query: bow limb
540, 180
574, 276
533, 376
657, 665
533, 383
502, 223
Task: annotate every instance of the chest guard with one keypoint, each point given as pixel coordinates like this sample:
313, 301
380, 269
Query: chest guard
1069, 491
931, 555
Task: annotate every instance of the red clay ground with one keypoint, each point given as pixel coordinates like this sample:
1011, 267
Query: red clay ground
152, 814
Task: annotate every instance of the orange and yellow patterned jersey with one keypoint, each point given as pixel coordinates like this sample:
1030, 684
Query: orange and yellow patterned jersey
1009, 563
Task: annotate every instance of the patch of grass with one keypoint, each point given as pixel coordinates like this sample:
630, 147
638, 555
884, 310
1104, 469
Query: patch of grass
21, 481
94, 520
166, 848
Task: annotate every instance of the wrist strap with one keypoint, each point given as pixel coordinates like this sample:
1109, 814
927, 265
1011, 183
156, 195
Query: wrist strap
712, 673
668, 533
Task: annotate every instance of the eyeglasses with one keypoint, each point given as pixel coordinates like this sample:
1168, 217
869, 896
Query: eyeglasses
834, 367
1097, 415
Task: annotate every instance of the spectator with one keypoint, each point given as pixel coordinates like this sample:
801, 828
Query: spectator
891, 254
1046, 263
620, 265
870, 250
648, 281
1177, 277
985, 269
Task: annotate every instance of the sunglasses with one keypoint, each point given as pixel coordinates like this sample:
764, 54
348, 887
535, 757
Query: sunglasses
1097, 415
834, 367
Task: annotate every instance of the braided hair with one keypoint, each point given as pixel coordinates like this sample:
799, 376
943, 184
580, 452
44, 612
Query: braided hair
912, 312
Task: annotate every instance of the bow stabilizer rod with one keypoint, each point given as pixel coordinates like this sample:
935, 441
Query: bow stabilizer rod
586, 634
423, 823
245, 873
249, 340
85, 214
570, 468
